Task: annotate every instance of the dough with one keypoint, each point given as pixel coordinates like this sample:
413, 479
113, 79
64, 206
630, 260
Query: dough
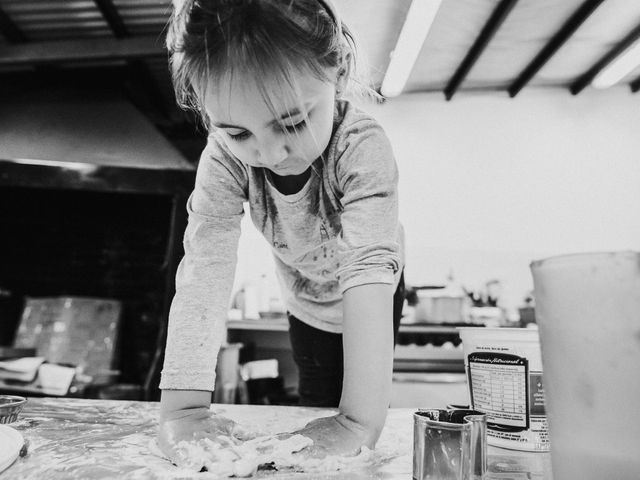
228, 457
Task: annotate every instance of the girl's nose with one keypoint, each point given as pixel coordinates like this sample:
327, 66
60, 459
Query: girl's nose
273, 152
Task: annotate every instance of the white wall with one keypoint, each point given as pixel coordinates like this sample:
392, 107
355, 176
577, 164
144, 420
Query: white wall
488, 183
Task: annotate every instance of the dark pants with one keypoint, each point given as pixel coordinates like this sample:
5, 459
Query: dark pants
319, 357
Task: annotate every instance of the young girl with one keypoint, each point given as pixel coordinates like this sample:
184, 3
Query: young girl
267, 78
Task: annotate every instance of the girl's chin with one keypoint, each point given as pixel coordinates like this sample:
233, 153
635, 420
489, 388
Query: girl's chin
289, 171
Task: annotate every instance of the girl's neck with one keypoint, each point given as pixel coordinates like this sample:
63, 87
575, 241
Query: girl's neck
290, 184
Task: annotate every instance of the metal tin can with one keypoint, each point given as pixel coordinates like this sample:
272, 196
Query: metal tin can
449, 445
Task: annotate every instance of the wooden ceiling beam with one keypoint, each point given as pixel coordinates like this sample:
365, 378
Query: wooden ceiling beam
142, 88
10, 30
112, 17
586, 78
571, 25
90, 49
497, 18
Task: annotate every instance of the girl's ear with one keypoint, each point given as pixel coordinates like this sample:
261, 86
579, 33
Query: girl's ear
343, 75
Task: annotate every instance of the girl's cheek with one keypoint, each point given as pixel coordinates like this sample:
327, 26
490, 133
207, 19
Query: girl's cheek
311, 139
237, 150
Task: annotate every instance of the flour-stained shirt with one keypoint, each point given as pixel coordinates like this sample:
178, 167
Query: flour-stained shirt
339, 231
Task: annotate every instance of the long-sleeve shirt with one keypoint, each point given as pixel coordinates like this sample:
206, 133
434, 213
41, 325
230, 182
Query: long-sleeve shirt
339, 231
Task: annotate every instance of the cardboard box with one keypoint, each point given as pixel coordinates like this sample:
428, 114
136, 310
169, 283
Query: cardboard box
78, 331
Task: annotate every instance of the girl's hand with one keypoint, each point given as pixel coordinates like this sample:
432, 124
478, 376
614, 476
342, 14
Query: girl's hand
336, 435
193, 425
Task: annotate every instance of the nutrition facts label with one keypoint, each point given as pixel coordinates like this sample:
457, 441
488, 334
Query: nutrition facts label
499, 388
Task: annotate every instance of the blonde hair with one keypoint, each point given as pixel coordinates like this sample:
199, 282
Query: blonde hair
210, 39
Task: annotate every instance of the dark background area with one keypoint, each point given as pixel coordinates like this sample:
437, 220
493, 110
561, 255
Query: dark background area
93, 244
113, 234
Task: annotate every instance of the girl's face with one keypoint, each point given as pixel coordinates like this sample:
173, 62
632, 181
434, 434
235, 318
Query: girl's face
286, 137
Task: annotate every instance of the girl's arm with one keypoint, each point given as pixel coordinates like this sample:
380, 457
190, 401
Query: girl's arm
368, 357
174, 400
368, 364
370, 258
196, 325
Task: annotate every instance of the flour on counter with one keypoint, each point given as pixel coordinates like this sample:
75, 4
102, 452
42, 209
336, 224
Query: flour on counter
226, 457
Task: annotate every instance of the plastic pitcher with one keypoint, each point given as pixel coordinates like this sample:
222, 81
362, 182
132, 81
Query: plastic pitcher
588, 312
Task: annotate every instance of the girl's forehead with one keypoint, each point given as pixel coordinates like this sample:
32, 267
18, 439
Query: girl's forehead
231, 99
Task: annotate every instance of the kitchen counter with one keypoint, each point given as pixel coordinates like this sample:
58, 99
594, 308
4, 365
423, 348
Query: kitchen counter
100, 439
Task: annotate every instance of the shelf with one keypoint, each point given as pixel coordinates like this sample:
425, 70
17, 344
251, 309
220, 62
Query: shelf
423, 353
271, 325
427, 328
281, 325
30, 390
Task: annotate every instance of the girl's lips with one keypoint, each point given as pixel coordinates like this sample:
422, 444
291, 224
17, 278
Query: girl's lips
286, 163
286, 166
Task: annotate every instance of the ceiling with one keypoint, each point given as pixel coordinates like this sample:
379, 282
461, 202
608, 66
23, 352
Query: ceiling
496, 46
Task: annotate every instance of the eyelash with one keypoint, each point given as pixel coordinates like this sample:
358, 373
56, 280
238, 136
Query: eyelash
294, 128
289, 128
239, 137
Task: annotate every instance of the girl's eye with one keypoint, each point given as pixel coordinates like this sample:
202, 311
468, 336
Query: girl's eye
295, 128
239, 137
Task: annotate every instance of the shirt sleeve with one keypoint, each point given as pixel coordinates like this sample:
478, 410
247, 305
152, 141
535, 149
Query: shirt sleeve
368, 179
204, 277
